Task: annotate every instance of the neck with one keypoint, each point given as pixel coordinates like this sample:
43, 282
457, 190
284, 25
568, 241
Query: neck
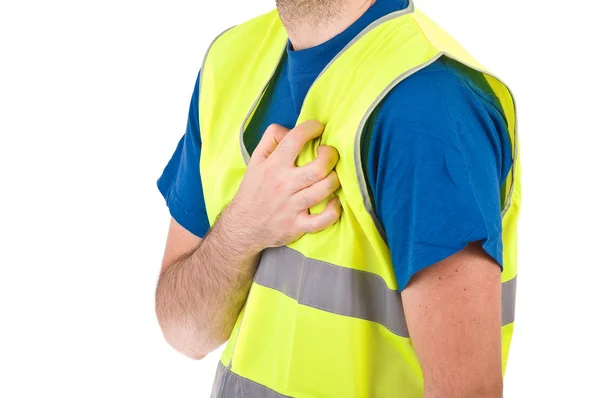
313, 22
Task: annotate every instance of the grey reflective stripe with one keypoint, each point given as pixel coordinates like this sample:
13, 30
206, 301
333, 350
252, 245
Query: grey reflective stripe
326, 287
331, 288
509, 298
346, 291
230, 385
513, 169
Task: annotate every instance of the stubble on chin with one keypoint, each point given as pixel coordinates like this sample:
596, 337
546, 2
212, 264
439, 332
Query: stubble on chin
315, 13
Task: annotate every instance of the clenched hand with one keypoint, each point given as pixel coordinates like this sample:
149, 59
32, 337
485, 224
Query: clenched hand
275, 195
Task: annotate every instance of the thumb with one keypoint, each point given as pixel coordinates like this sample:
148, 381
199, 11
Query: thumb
269, 142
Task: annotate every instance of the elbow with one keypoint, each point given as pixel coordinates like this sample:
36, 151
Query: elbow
193, 336
189, 340
192, 355
185, 341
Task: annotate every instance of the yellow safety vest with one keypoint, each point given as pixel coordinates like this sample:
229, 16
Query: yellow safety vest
324, 317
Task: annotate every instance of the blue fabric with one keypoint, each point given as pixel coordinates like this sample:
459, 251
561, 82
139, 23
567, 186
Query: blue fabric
180, 182
436, 153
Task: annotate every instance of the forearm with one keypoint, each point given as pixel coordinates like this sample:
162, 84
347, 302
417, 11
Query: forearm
199, 297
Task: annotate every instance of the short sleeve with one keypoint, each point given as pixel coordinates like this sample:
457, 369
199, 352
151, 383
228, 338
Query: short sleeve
438, 153
180, 183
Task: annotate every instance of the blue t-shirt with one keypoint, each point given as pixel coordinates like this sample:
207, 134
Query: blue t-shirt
436, 153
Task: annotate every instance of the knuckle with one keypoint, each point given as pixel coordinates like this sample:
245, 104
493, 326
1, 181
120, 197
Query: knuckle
283, 147
319, 173
274, 180
279, 184
308, 176
312, 226
307, 200
269, 174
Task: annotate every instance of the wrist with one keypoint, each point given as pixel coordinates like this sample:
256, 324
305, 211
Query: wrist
236, 233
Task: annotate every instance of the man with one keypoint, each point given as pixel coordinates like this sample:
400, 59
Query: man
348, 238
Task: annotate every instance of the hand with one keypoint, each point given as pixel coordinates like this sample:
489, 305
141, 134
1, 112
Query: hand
272, 203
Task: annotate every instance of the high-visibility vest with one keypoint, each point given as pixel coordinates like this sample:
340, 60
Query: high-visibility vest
324, 317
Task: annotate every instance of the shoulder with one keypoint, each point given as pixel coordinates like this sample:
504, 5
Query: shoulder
435, 151
446, 105
443, 90
442, 118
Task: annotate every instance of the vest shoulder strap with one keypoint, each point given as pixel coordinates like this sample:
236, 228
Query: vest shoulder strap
445, 43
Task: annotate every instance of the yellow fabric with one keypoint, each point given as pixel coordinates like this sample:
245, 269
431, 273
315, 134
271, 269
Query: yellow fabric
291, 348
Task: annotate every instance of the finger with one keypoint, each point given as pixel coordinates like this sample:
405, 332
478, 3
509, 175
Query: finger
312, 223
316, 193
290, 147
318, 169
272, 137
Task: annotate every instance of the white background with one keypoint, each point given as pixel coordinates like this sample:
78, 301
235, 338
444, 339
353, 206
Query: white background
94, 96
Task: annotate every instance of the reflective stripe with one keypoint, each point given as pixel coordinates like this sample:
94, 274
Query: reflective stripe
346, 291
509, 297
335, 289
230, 385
